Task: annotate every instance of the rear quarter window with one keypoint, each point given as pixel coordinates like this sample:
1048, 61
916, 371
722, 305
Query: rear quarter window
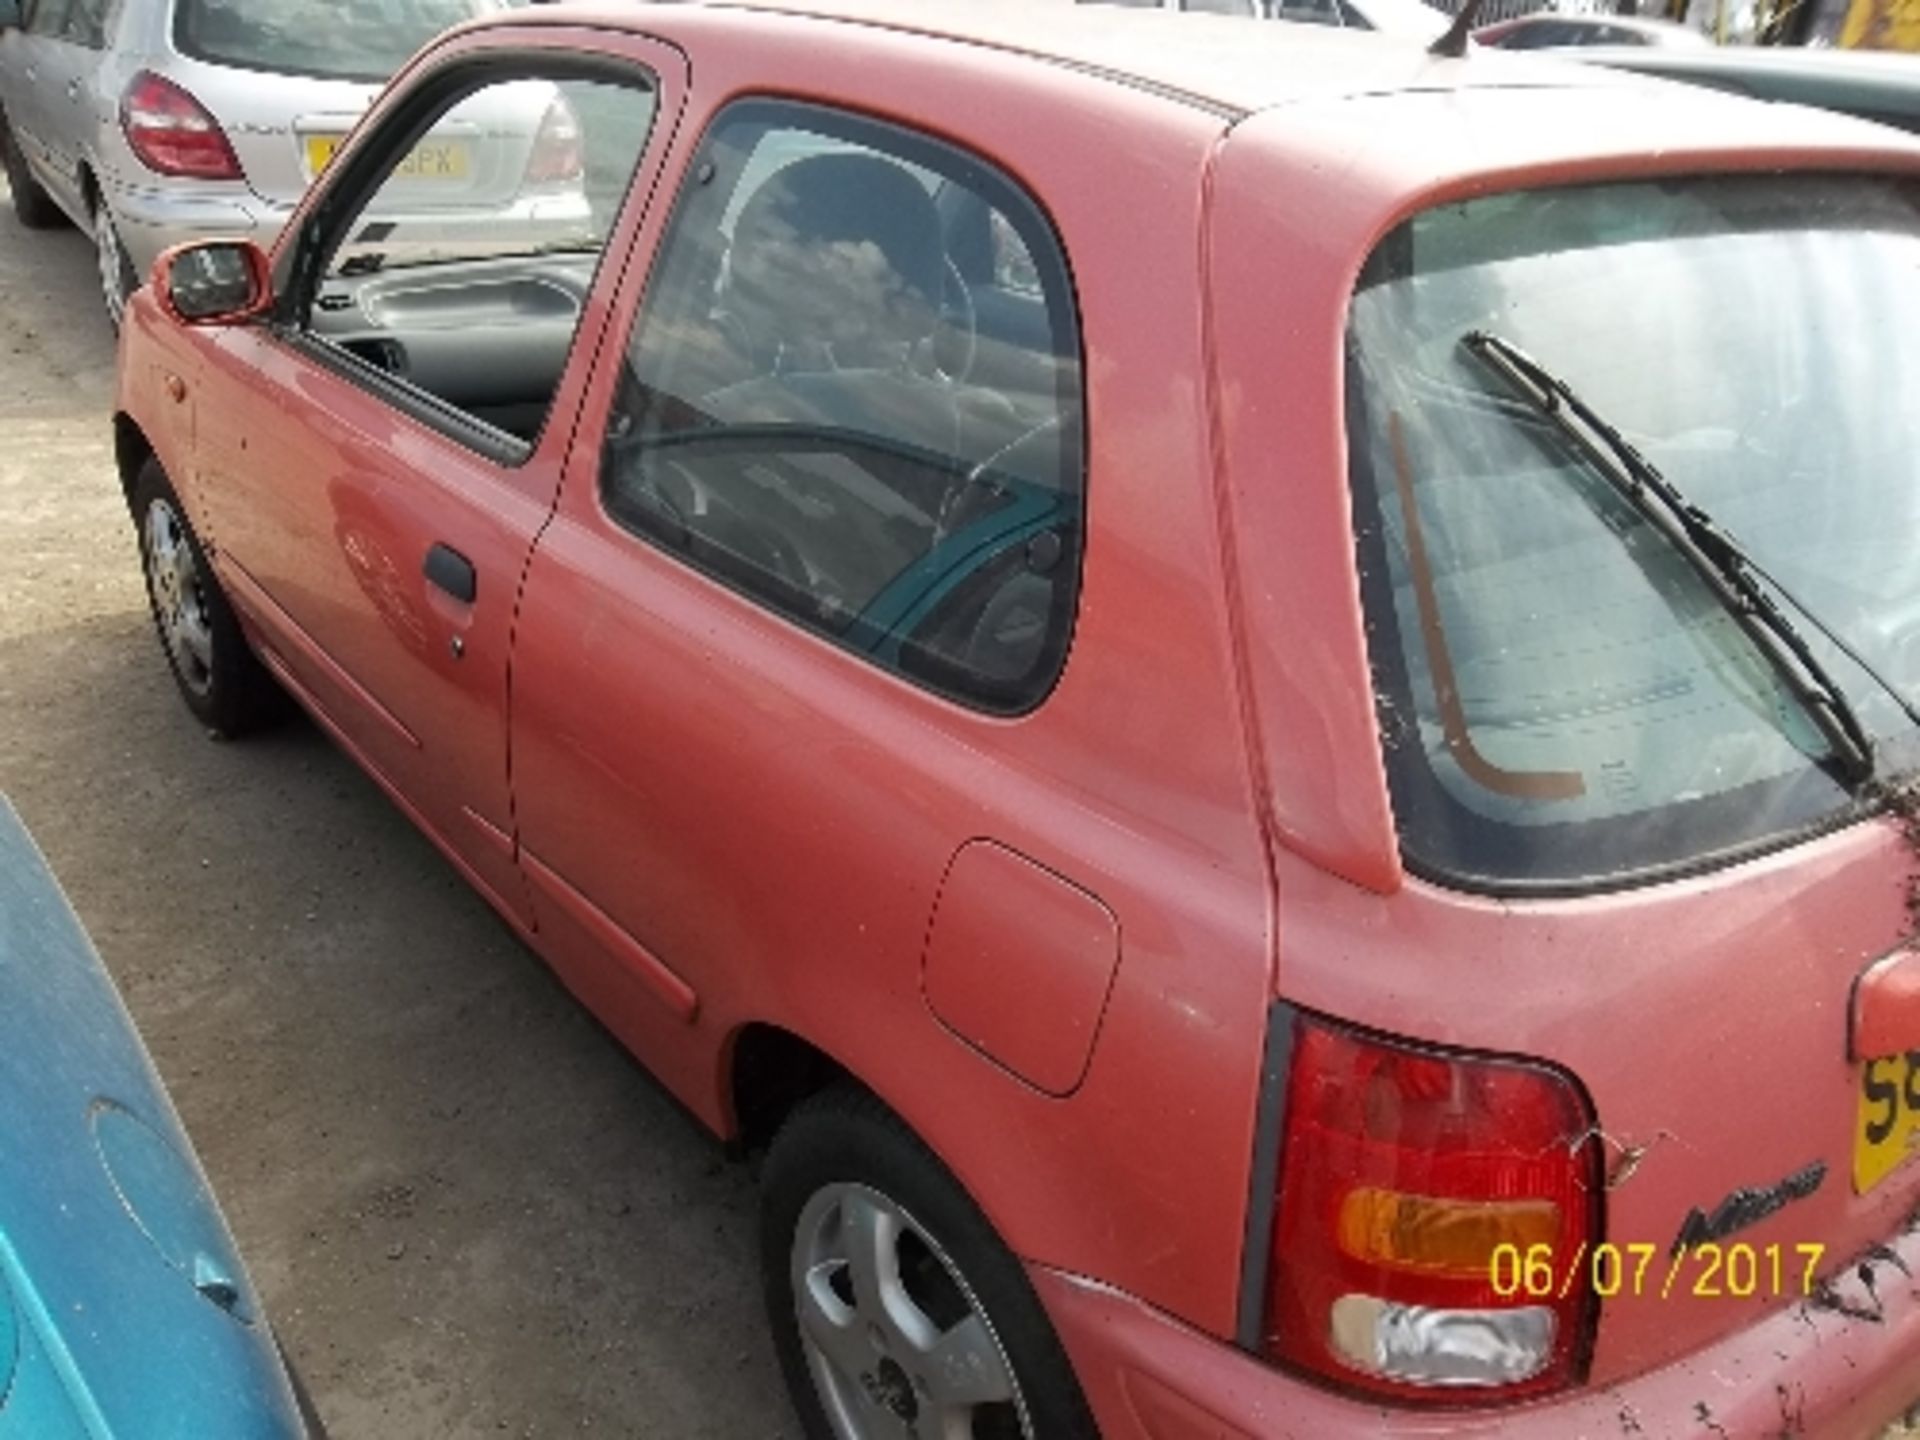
853, 395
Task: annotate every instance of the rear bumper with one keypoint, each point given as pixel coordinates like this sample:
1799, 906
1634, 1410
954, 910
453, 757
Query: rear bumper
1800, 1371
150, 220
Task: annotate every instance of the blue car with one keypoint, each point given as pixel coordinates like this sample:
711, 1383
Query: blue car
125, 1313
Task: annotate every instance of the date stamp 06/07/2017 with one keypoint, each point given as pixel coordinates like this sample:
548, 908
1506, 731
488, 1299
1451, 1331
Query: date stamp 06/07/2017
1708, 1271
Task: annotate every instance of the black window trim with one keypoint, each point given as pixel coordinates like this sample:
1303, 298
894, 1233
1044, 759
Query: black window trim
833, 118
300, 273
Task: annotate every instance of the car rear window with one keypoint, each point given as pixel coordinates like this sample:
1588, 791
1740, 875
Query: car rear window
1564, 701
365, 40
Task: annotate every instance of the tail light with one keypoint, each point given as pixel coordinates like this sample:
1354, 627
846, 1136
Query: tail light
1417, 1188
557, 152
172, 133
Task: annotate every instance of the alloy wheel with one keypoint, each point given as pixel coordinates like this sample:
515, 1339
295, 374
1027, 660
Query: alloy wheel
112, 262
179, 597
898, 1344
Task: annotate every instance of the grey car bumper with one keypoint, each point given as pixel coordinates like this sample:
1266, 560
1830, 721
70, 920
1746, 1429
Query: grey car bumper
151, 220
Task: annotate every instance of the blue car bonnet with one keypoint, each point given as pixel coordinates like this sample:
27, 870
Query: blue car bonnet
124, 1308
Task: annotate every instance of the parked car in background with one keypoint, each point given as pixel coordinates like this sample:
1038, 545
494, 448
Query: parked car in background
125, 1313
150, 122
1125, 651
1549, 31
1411, 18
1879, 86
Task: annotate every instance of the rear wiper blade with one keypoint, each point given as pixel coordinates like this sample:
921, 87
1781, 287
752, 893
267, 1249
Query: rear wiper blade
1733, 576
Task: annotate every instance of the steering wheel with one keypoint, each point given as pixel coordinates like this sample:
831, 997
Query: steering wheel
755, 542
767, 549
957, 310
684, 510
957, 307
957, 507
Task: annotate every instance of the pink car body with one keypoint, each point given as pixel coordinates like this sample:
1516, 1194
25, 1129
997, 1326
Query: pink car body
1071, 949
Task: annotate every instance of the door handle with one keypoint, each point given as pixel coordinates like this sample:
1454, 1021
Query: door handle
452, 572
73, 89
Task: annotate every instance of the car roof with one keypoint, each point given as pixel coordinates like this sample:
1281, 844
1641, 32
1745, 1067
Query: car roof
1236, 67
1230, 63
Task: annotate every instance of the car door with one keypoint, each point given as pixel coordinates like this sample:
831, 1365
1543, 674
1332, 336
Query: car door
373, 465
25, 55
67, 64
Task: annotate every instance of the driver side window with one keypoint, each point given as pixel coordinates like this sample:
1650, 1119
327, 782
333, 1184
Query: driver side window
846, 400
461, 277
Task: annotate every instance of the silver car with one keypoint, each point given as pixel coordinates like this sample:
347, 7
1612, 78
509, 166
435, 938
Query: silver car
150, 122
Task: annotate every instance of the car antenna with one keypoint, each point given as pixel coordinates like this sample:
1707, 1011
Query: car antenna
1454, 42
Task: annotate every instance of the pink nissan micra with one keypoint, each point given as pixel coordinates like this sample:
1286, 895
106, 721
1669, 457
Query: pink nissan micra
1245, 692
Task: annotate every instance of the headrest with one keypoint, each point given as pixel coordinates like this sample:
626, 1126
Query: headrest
842, 249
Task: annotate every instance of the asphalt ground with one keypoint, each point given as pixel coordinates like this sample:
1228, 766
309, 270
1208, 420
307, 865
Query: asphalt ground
469, 1212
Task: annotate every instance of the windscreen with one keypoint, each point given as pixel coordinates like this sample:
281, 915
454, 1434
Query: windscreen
365, 40
1564, 700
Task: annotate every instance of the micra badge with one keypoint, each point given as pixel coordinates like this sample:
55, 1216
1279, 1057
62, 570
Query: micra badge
1746, 1207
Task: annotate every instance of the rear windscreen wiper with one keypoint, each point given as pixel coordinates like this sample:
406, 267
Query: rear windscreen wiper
1729, 571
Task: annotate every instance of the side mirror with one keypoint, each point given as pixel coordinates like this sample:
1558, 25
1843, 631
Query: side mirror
9, 15
213, 282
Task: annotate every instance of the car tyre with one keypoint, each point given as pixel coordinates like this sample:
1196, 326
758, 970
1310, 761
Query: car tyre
223, 683
117, 278
893, 1303
32, 206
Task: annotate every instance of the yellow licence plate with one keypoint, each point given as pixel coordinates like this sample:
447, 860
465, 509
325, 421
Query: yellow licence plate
1888, 1131
431, 160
